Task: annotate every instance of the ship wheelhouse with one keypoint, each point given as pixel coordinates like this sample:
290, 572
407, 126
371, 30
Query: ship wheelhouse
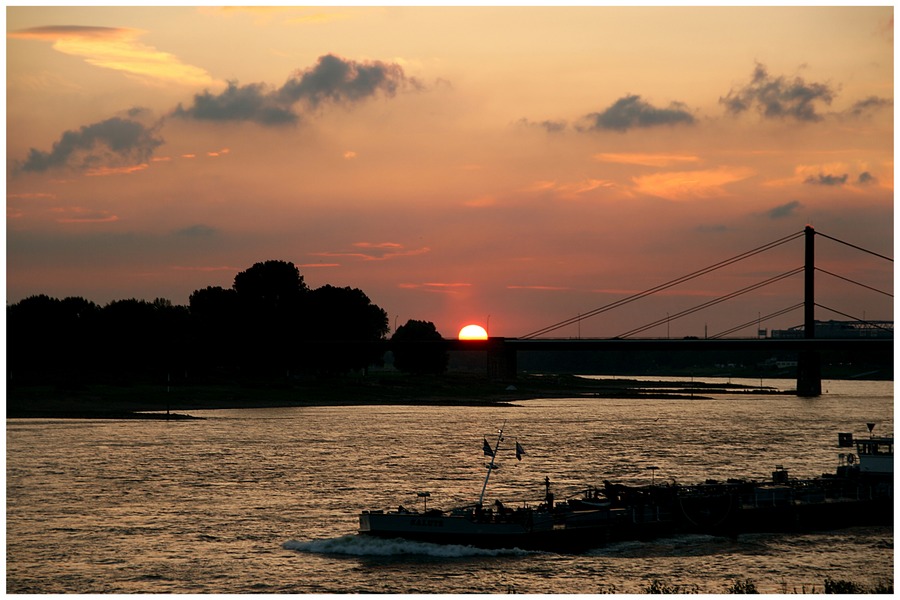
876, 455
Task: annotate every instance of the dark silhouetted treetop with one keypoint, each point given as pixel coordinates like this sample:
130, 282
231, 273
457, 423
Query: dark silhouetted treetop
268, 324
271, 285
417, 331
213, 303
344, 314
419, 358
45, 332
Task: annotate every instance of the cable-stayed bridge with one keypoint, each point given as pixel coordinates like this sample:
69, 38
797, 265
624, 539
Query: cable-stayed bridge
502, 352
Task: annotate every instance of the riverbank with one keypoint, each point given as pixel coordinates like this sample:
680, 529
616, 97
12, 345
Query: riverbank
147, 401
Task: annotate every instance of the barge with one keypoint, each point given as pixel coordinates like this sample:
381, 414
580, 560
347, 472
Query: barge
859, 492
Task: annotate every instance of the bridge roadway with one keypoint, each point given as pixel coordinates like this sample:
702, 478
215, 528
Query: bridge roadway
502, 361
502, 352
670, 345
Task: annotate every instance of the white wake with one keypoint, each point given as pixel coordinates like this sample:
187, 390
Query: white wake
360, 545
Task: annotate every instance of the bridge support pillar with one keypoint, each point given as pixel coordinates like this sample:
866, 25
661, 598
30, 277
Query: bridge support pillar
809, 365
809, 374
502, 363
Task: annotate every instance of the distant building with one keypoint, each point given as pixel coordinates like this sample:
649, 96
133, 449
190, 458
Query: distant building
841, 330
778, 363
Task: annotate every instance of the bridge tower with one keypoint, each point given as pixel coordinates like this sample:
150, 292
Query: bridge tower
809, 366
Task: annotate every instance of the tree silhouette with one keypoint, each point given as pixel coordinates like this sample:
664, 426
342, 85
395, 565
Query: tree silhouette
268, 324
50, 337
214, 316
269, 321
337, 316
215, 304
273, 285
144, 337
417, 348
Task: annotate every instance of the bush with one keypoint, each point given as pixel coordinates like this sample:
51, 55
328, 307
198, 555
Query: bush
844, 586
658, 587
747, 586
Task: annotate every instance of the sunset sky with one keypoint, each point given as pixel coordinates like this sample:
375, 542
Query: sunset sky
521, 165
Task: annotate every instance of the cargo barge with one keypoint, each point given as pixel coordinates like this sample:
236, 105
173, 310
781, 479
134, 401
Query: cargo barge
859, 492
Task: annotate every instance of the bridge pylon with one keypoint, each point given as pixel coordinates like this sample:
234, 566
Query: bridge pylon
809, 363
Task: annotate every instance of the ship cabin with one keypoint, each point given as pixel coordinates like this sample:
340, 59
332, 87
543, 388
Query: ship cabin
875, 454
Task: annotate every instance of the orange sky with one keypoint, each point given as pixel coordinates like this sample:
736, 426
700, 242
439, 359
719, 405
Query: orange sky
524, 163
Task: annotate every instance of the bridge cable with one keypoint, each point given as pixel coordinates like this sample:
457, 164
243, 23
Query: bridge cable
713, 302
857, 319
664, 286
856, 247
854, 282
757, 320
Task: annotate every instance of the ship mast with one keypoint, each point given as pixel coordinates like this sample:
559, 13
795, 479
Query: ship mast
491, 467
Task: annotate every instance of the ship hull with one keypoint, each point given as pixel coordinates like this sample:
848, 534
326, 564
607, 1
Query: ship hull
854, 495
647, 513
565, 532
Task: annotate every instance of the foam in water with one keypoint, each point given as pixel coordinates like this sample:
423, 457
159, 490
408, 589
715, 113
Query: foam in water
360, 545
686, 544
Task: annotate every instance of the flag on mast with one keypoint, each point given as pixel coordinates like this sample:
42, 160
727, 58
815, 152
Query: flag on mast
487, 448
519, 450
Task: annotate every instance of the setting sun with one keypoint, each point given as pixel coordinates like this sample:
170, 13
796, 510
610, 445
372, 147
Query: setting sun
473, 332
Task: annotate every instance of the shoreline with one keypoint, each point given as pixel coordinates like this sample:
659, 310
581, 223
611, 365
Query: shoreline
143, 401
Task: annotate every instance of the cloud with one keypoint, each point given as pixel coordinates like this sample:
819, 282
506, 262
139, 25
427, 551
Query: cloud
868, 106
391, 245
376, 251
646, 160
834, 174
337, 80
106, 171
332, 80
78, 214
118, 49
435, 287
251, 102
866, 178
318, 18
115, 142
826, 179
571, 190
778, 97
481, 201
111, 145
288, 14
715, 228
783, 211
630, 112
31, 196
547, 125
690, 185
548, 288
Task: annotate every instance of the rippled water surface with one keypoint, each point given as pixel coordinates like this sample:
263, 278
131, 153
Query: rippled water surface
267, 500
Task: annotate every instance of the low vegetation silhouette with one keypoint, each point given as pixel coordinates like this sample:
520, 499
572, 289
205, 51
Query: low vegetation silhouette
748, 586
268, 324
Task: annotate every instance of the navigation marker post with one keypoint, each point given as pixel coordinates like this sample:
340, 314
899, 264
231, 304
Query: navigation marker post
491, 467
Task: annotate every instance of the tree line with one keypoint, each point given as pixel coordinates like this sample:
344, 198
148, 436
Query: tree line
268, 323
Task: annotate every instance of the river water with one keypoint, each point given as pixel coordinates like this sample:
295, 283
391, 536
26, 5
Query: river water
266, 500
